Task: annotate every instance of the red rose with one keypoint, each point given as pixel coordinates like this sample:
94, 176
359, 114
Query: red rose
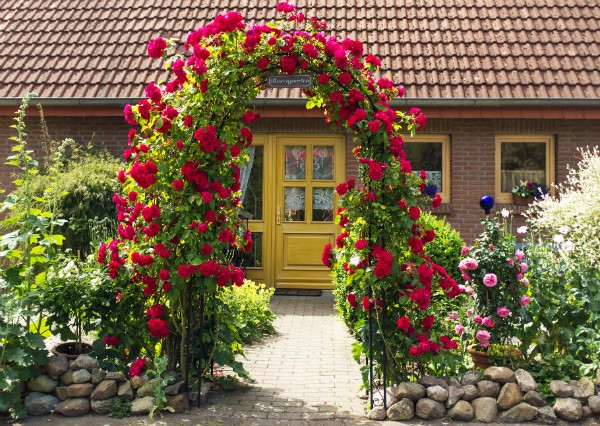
427, 322
366, 303
158, 328
414, 212
137, 367
111, 340
414, 351
352, 300
323, 78
345, 78
164, 274
207, 197
156, 47
327, 255
177, 184
156, 311
437, 200
403, 323
382, 269
289, 64
167, 286
206, 249
361, 244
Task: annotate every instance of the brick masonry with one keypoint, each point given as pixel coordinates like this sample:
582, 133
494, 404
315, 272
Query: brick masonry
472, 149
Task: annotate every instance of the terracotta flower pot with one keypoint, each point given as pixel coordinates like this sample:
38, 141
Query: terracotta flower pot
70, 350
480, 359
520, 201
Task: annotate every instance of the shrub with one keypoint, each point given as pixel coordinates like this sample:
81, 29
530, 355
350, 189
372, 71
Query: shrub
564, 251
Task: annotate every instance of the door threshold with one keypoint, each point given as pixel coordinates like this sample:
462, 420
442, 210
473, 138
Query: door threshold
298, 292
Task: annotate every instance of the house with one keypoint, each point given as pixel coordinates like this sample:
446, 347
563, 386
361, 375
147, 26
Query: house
511, 89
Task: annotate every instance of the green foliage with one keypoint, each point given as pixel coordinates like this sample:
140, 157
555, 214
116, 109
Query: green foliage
162, 381
504, 355
27, 246
120, 408
564, 242
80, 182
249, 305
445, 249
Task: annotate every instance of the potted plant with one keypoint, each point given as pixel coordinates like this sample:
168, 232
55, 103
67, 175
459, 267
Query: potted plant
525, 192
493, 270
68, 300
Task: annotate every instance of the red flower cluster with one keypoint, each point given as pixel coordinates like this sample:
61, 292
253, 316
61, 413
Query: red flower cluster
144, 174
327, 256
137, 367
383, 267
158, 328
156, 311
111, 340
352, 300
207, 139
156, 47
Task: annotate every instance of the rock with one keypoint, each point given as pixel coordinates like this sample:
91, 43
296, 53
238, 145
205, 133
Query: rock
510, 395
362, 394
454, 394
125, 391
546, 415
105, 389
410, 390
471, 393
176, 388
115, 375
85, 362
437, 393
561, 389
147, 389
487, 388
179, 402
520, 413
525, 380
205, 389
74, 407
499, 374
597, 383
429, 381
452, 381
43, 384
57, 365
594, 404
81, 376
569, 409
80, 390
102, 406
470, 378
61, 392
593, 421
40, 404
97, 376
428, 409
462, 411
390, 398
377, 413
142, 405
586, 412
582, 389
138, 381
485, 409
67, 377
402, 410
535, 399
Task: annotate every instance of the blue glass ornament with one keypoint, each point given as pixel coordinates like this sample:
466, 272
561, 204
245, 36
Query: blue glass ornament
486, 203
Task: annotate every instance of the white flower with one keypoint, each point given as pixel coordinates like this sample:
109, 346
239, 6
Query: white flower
522, 230
355, 260
558, 238
564, 230
505, 213
568, 246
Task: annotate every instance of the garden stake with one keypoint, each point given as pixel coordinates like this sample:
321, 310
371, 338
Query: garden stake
187, 336
370, 360
201, 350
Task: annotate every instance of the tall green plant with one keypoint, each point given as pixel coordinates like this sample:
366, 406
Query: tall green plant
27, 247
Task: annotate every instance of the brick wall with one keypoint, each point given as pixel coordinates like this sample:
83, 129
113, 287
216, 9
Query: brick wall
472, 149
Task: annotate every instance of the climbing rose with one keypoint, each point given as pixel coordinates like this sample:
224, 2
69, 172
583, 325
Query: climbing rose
403, 323
289, 64
483, 337
158, 328
503, 312
437, 200
137, 367
323, 78
488, 322
414, 212
490, 280
156, 311
327, 255
111, 340
525, 300
352, 300
360, 244
156, 47
177, 184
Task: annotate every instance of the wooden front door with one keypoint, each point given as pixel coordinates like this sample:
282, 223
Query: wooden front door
291, 195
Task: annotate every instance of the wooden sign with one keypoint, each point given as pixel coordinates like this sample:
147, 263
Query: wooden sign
292, 81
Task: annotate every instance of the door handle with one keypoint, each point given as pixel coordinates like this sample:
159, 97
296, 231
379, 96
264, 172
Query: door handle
278, 215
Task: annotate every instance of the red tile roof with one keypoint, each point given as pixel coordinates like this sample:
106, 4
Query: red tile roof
439, 49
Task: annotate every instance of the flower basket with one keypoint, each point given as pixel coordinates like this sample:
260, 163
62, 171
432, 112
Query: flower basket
521, 201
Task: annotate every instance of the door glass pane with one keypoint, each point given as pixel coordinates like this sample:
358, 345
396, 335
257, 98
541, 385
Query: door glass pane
322, 205
427, 156
294, 204
254, 257
323, 163
295, 162
522, 162
253, 196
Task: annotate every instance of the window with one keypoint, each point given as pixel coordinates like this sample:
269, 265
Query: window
432, 154
528, 158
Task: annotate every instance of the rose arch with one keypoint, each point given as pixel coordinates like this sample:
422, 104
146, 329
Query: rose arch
178, 210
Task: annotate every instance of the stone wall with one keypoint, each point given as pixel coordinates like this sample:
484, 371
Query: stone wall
496, 395
76, 388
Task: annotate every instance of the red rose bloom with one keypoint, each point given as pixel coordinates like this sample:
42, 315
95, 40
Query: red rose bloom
111, 340
427, 322
206, 249
323, 78
289, 64
403, 323
352, 300
137, 367
156, 311
158, 328
361, 244
327, 255
437, 200
177, 184
156, 47
164, 274
414, 212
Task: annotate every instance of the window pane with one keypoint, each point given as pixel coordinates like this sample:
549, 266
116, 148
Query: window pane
254, 257
294, 204
295, 162
323, 163
253, 198
522, 162
322, 205
426, 156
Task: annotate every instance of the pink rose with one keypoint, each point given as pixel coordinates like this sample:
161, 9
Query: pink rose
490, 280
483, 337
478, 319
459, 329
464, 250
519, 254
525, 300
503, 312
523, 267
488, 322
